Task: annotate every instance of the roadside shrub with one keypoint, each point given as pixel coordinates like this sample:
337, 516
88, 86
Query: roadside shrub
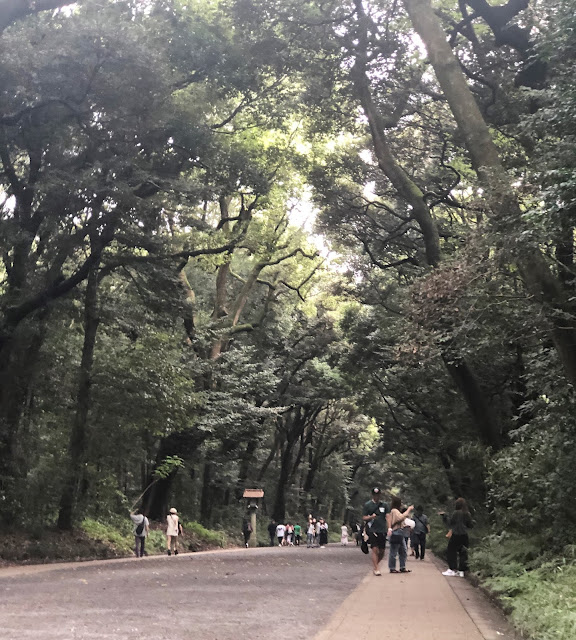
195, 533
108, 534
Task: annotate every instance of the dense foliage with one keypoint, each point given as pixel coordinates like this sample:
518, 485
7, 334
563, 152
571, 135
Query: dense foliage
282, 244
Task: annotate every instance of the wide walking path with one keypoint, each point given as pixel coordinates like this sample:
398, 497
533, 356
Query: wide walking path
423, 604
243, 594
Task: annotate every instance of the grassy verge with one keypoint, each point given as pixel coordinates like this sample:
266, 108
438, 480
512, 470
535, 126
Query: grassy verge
536, 589
119, 536
98, 540
537, 592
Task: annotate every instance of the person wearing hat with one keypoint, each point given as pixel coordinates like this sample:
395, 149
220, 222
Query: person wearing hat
173, 530
376, 516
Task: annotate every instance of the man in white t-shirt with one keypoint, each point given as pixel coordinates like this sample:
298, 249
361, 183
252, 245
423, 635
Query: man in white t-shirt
280, 531
141, 528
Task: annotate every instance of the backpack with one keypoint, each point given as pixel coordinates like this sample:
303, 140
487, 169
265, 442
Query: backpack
140, 528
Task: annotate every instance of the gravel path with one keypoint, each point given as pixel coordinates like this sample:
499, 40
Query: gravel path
248, 593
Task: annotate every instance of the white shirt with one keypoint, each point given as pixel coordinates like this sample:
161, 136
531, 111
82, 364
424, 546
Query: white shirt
172, 521
280, 531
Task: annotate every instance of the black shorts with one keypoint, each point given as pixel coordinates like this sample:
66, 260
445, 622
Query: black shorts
376, 539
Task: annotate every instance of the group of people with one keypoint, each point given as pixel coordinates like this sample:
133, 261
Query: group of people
398, 526
286, 535
381, 524
141, 530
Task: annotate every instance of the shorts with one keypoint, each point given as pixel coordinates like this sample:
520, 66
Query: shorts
377, 539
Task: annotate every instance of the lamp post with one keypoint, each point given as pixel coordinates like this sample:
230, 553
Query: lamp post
253, 497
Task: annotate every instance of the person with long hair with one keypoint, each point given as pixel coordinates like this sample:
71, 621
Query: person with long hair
421, 530
397, 537
458, 542
323, 533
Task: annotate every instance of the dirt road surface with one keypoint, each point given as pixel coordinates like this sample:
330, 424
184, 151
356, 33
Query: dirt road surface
249, 593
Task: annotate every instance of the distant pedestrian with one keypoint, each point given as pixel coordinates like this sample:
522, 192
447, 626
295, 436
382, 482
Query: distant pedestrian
316, 532
421, 530
246, 531
280, 533
344, 534
357, 533
458, 542
272, 533
173, 530
289, 535
375, 517
141, 529
397, 536
297, 534
323, 533
310, 534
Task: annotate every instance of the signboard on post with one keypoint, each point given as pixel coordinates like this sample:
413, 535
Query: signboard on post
252, 497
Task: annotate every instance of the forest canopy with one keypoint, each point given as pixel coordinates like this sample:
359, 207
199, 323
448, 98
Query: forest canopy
309, 247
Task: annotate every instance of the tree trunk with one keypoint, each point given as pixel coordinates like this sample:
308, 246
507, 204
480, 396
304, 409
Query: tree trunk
206, 499
246, 467
181, 443
17, 367
14, 10
79, 434
485, 420
453, 481
400, 180
279, 511
503, 204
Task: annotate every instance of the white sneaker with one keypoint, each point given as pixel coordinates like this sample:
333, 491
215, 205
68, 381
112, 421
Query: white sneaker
460, 574
449, 572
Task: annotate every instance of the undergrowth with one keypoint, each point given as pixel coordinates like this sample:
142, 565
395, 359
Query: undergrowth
108, 534
537, 590
198, 534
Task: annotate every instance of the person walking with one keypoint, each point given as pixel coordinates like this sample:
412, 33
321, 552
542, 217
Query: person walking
246, 531
397, 536
141, 530
357, 533
272, 533
280, 532
458, 542
297, 534
421, 530
344, 534
310, 534
173, 530
375, 516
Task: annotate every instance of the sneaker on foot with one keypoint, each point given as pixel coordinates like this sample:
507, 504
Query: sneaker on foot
169, 552
377, 573
176, 552
449, 572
